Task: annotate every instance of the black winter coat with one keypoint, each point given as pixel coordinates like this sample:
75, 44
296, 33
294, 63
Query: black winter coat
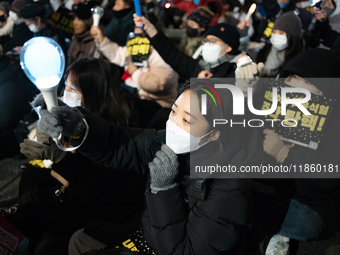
186, 66
200, 216
16, 91
21, 34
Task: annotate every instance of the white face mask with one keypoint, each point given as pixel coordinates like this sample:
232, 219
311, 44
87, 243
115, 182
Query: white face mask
33, 28
72, 99
279, 41
13, 15
180, 141
211, 52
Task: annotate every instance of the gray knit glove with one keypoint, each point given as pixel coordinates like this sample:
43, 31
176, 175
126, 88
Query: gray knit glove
163, 170
61, 119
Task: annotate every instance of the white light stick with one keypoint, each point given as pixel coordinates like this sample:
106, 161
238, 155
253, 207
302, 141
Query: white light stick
250, 11
43, 61
96, 14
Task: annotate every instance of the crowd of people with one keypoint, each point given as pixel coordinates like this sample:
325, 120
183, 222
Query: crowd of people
131, 126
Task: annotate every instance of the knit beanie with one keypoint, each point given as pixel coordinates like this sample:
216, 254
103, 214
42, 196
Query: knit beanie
226, 33
203, 15
289, 23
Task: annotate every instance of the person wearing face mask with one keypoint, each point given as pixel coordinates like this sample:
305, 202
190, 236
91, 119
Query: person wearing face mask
235, 12
196, 25
274, 8
332, 10
156, 82
82, 45
21, 32
214, 214
121, 23
303, 209
285, 44
190, 6
6, 23
84, 188
324, 31
35, 17
219, 54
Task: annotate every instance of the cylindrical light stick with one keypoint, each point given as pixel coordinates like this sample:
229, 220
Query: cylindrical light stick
96, 14
138, 10
250, 11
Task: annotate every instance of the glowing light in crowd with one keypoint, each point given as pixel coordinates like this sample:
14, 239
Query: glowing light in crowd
96, 14
250, 11
43, 61
167, 5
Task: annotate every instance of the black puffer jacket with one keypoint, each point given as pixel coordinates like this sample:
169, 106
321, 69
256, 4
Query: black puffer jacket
200, 216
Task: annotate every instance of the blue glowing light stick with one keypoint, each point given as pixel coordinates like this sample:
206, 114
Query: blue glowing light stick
138, 10
43, 61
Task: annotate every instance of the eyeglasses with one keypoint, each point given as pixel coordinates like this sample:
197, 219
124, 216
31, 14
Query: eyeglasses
211, 41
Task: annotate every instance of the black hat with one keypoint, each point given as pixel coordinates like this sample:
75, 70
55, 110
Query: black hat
83, 10
314, 63
226, 33
317, 63
33, 10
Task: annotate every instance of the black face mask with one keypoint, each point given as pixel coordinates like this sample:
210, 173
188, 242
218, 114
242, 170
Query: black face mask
328, 11
122, 13
192, 32
2, 18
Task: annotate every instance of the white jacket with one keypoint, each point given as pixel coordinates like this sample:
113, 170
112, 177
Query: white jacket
7, 29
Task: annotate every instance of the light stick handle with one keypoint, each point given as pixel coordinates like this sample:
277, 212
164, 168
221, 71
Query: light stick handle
50, 97
248, 15
138, 10
96, 18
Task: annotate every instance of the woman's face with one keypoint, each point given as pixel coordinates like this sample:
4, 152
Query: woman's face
187, 115
215, 40
279, 32
5, 16
79, 26
35, 21
120, 5
328, 4
70, 87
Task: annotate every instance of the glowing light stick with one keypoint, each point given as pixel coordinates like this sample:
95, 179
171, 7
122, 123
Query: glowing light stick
138, 10
250, 11
96, 14
43, 61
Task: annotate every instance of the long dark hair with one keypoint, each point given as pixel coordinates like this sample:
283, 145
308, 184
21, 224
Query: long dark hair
295, 47
235, 136
101, 96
